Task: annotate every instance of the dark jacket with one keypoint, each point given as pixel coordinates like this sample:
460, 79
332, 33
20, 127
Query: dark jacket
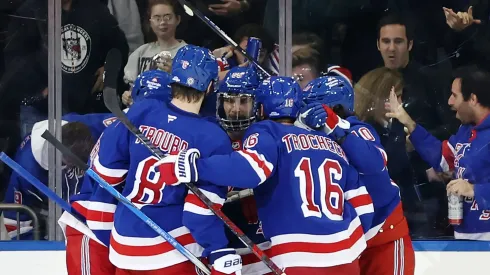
89, 31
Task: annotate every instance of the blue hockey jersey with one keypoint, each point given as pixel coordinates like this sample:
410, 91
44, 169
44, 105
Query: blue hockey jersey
33, 156
307, 194
467, 155
243, 213
367, 155
124, 162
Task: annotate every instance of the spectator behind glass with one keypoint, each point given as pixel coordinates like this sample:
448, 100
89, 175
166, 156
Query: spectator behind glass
307, 39
84, 48
464, 155
371, 92
424, 98
164, 18
306, 65
127, 15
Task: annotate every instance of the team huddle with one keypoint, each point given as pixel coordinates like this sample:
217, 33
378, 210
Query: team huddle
318, 206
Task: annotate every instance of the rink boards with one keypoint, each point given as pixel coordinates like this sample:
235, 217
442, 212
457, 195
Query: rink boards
432, 257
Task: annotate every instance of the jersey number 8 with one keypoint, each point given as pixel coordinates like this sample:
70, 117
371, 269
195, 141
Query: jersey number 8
148, 184
331, 194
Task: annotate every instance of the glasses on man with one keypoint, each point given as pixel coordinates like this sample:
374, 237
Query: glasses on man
161, 18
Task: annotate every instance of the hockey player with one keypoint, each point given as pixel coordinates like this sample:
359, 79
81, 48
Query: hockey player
236, 112
93, 244
124, 162
389, 249
464, 155
306, 191
79, 133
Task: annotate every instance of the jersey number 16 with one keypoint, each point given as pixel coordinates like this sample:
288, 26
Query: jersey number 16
331, 194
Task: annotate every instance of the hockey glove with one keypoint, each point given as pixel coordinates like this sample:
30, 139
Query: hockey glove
313, 115
225, 261
336, 127
321, 117
304, 113
179, 167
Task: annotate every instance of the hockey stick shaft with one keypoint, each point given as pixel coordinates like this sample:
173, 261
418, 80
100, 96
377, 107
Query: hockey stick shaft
112, 103
36, 183
220, 32
239, 195
142, 216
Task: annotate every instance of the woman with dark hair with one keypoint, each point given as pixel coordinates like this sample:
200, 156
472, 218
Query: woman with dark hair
164, 17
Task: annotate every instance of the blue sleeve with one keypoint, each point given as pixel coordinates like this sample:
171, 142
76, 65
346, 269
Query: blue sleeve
110, 160
356, 194
439, 155
110, 156
482, 194
96, 122
246, 168
206, 228
22, 192
364, 151
479, 176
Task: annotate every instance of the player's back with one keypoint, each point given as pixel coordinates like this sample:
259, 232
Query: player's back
384, 193
169, 129
97, 122
303, 205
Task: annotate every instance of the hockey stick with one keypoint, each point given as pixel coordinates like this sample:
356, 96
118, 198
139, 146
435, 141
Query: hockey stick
191, 11
38, 184
122, 199
112, 103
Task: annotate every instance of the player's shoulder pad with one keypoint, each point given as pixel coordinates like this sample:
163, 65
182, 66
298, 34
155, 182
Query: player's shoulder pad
363, 129
215, 140
141, 108
264, 126
261, 126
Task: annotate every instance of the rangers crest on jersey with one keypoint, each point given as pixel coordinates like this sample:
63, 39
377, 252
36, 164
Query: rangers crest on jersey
461, 149
185, 64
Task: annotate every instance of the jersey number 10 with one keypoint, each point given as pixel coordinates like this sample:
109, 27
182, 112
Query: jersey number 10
331, 194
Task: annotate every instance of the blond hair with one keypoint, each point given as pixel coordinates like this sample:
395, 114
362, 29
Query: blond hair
373, 89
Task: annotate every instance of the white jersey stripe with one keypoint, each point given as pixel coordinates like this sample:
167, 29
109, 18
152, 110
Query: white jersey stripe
402, 256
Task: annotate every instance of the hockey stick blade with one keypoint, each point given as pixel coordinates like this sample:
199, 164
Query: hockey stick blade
78, 162
112, 67
113, 105
191, 11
